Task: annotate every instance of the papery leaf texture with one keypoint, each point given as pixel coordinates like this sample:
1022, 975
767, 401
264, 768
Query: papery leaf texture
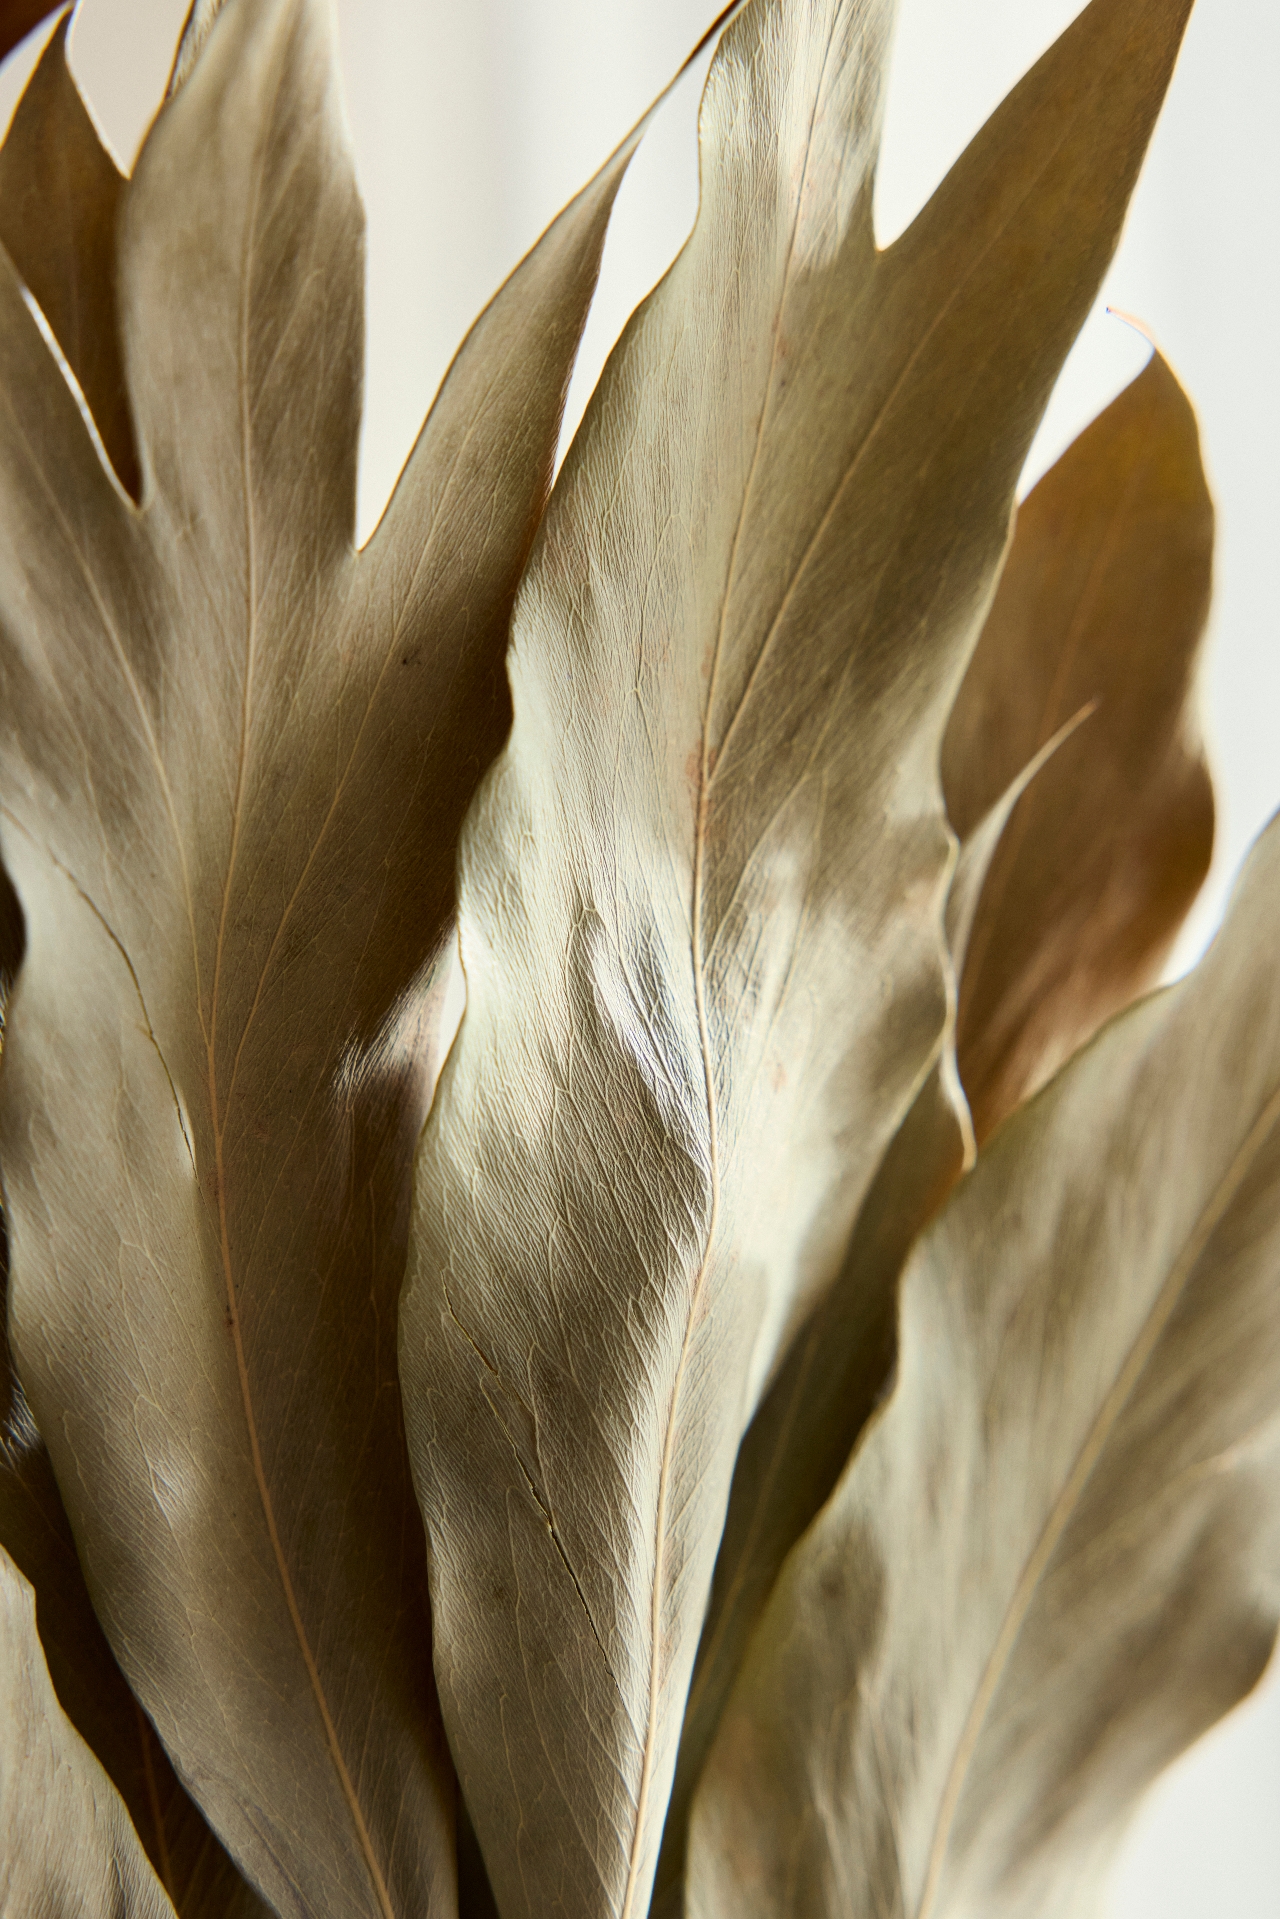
58, 196
702, 890
1054, 1560
1151, 521
67, 1849
234, 755
1105, 599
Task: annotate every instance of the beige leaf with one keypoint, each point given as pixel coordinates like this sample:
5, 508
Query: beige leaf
1104, 598
234, 755
1055, 1558
714, 838
67, 1850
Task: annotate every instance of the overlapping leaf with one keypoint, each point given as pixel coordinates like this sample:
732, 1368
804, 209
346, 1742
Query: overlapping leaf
67, 1849
192, 1867
1055, 1558
1104, 599
1131, 489
702, 889
233, 759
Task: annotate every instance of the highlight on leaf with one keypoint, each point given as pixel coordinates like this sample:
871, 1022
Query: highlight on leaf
781, 1422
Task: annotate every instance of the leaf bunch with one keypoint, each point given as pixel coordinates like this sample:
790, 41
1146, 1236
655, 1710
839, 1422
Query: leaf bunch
782, 1420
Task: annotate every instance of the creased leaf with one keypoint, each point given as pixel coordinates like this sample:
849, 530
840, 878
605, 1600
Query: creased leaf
234, 755
67, 1850
833, 1377
59, 194
1055, 1558
715, 836
1104, 598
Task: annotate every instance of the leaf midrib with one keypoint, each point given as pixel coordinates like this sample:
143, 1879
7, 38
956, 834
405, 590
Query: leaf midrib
217, 1117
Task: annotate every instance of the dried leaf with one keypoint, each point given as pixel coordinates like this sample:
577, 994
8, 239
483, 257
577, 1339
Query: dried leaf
67, 1850
1055, 1558
59, 195
715, 835
834, 1375
234, 755
1104, 598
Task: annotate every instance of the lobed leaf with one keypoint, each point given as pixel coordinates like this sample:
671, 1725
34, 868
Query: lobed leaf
234, 755
716, 833
1148, 515
1104, 599
67, 1850
1054, 1559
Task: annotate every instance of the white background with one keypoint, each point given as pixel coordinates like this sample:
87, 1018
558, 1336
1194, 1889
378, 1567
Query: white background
474, 122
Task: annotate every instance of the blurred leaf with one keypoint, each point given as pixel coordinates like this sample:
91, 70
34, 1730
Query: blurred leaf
234, 756
67, 1850
59, 196
18, 18
715, 837
1104, 598
1054, 1560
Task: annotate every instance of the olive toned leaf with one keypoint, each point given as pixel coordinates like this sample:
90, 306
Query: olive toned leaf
234, 755
715, 834
18, 18
59, 194
1055, 1558
67, 1850
1105, 598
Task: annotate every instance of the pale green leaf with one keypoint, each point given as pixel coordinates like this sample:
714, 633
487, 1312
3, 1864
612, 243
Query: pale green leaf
1054, 1560
702, 890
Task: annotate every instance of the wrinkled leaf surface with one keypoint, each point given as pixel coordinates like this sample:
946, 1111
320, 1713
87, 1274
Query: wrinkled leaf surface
715, 836
1132, 870
233, 759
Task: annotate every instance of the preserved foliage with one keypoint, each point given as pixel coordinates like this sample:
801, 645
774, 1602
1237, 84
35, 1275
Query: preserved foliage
780, 1420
